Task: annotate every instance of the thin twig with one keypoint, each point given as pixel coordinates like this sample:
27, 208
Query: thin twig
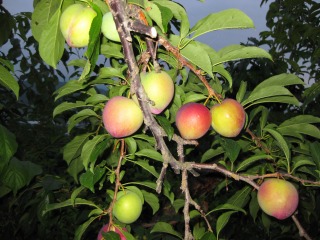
184, 62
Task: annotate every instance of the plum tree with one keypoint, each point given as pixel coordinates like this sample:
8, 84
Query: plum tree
159, 88
122, 117
193, 120
156, 159
278, 198
75, 24
113, 228
228, 117
108, 27
128, 207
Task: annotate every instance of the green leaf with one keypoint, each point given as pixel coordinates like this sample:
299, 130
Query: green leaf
211, 153
111, 235
160, 14
222, 221
236, 52
73, 149
14, 177
166, 16
166, 125
66, 106
76, 192
83, 227
266, 221
254, 205
8, 81
70, 203
268, 94
220, 69
256, 112
284, 79
298, 120
227, 206
194, 97
131, 145
231, 147
41, 16
150, 153
198, 231
300, 161
208, 236
310, 94
242, 91
272, 90
8, 24
315, 153
79, 117
152, 200
178, 204
227, 19
89, 179
195, 53
8, 145
146, 166
164, 227
74, 168
19, 174
110, 72
241, 197
94, 35
93, 148
110, 49
300, 124
7, 64
51, 44
244, 164
148, 184
179, 13
71, 86
282, 144
96, 99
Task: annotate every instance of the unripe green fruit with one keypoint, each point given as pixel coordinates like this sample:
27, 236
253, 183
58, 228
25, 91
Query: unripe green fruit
108, 27
228, 118
193, 120
75, 24
278, 198
128, 207
159, 88
122, 117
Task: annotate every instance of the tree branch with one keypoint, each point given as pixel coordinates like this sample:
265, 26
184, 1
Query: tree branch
124, 26
166, 44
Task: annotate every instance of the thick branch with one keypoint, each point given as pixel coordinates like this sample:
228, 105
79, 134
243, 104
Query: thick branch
138, 27
118, 10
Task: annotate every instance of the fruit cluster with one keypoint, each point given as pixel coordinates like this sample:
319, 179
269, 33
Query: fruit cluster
122, 117
75, 24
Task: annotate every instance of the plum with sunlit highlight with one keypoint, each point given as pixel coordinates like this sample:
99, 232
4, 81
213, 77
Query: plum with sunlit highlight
193, 120
122, 117
278, 198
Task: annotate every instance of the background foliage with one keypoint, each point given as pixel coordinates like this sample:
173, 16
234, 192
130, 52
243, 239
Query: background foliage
59, 166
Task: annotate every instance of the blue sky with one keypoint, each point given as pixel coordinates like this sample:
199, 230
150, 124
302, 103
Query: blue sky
197, 10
